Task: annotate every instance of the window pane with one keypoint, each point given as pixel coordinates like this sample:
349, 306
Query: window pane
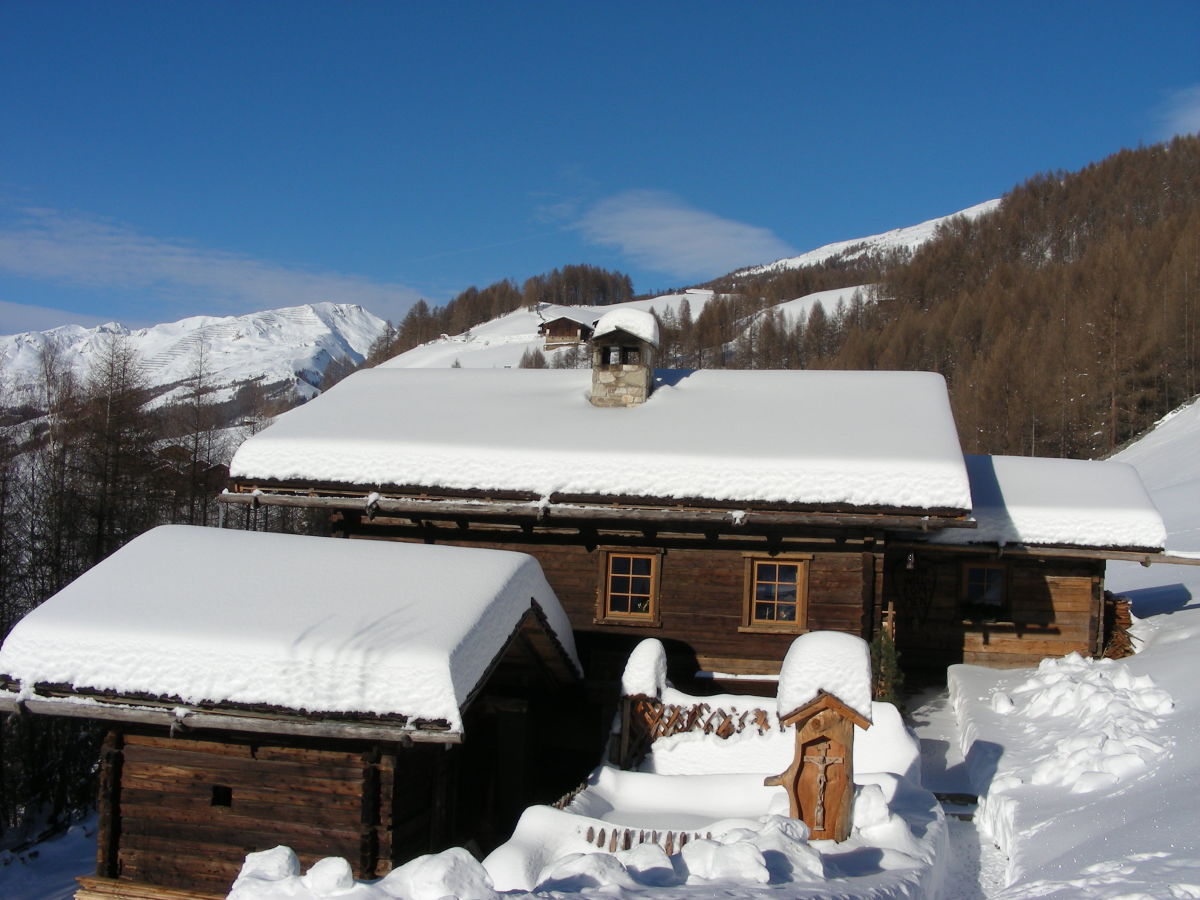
641, 565
620, 584
787, 593
620, 564
764, 593
639, 585
788, 573
618, 604
642, 605
766, 572
764, 612
787, 612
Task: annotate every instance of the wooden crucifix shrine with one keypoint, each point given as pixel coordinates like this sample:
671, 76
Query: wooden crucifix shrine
820, 780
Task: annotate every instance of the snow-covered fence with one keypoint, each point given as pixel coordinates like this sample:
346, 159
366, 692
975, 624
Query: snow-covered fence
645, 719
615, 839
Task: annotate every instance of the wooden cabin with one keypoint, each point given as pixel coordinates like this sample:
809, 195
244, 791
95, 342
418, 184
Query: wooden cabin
722, 511
565, 331
371, 700
1028, 582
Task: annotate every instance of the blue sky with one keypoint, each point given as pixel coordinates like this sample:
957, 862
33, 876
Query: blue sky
160, 160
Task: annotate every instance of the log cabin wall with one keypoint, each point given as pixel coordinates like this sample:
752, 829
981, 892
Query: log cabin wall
185, 811
701, 590
1050, 607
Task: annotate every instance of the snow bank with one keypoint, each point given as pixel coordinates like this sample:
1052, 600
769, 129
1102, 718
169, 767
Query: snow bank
894, 850
275, 875
1030, 500
635, 322
883, 439
646, 671
306, 623
1072, 726
830, 661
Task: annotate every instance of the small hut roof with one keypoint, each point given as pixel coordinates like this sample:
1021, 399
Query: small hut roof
213, 616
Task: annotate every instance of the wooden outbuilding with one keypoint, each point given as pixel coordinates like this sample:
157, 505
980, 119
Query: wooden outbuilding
371, 700
565, 331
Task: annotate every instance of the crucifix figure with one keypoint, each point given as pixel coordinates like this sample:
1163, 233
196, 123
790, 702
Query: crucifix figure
822, 762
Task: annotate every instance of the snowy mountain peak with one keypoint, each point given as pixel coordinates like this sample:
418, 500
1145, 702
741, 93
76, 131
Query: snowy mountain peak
291, 346
907, 238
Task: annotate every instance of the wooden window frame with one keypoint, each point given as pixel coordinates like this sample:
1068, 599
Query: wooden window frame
973, 613
774, 626
604, 613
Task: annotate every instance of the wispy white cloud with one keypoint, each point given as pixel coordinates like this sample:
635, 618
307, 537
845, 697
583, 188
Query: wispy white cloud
1180, 113
61, 248
659, 231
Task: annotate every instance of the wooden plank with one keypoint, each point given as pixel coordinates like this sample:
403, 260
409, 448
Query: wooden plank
108, 830
106, 888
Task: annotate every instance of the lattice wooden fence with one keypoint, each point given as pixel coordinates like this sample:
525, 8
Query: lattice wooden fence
645, 720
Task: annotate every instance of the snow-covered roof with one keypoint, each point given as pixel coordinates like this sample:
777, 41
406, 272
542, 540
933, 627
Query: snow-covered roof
303, 623
1073, 502
851, 439
636, 322
830, 661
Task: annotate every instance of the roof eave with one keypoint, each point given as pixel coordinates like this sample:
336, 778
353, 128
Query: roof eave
185, 719
423, 503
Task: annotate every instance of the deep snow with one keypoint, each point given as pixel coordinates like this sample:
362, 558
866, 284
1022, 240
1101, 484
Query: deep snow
883, 439
414, 629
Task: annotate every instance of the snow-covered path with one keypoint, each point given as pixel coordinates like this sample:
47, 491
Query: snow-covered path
976, 869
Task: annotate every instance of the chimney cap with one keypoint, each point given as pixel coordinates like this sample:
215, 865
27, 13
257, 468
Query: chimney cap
641, 325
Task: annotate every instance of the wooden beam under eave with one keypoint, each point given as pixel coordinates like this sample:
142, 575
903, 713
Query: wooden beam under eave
700, 519
207, 720
1145, 557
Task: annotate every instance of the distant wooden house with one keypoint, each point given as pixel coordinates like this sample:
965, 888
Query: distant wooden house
724, 511
369, 700
565, 331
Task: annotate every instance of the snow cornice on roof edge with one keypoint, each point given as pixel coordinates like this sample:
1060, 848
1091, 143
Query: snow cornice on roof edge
841, 441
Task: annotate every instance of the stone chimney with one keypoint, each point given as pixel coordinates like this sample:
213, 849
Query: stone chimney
623, 347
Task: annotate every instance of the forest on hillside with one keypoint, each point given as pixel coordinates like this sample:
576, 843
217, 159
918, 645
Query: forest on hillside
1065, 322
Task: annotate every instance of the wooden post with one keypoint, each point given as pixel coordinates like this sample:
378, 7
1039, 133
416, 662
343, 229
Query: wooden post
368, 856
108, 831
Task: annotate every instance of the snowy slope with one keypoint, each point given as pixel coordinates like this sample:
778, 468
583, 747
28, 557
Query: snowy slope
1090, 769
292, 345
499, 344
909, 238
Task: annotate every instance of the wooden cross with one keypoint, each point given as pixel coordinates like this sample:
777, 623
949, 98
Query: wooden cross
822, 762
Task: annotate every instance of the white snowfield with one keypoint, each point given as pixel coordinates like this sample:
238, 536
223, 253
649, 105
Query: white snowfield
294, 345
908, 238
858, 439
304, 623
1033, 500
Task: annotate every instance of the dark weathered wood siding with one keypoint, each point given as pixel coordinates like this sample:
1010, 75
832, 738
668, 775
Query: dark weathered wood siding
318, 800
1055, 609
701, 593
